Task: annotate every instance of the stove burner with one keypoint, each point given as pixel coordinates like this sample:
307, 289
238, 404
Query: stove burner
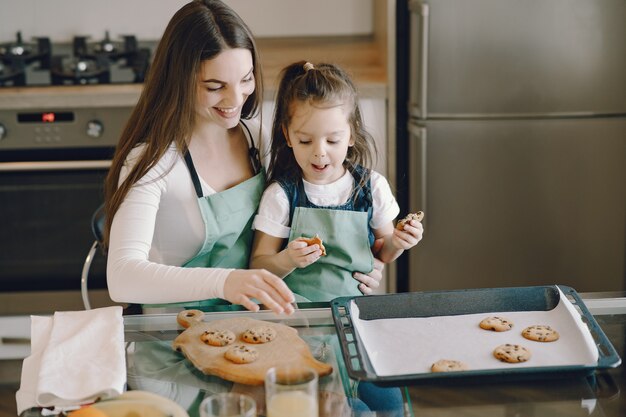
114, 50
20, 53
138, 59
81, 62
79, 71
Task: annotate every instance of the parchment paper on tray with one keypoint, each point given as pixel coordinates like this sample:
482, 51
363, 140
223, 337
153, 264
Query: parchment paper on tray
410, 345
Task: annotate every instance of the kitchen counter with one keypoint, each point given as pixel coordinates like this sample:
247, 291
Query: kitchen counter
362, 57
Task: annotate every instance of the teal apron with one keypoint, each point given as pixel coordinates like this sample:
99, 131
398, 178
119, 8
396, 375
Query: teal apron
345, 237
227, 218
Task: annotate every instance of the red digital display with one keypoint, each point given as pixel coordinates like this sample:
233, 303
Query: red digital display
47, 117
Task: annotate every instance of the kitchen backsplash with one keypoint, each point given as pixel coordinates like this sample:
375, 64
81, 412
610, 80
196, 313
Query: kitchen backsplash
62, 19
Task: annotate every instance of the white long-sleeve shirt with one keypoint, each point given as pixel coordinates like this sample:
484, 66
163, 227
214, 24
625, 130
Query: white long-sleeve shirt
157, 229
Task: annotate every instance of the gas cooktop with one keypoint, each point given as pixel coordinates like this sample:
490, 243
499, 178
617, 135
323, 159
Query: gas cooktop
39, 62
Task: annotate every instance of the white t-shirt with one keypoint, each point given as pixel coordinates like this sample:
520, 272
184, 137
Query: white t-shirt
273, 215
157, 229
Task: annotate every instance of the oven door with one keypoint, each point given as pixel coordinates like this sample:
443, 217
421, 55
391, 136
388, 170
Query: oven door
46, 223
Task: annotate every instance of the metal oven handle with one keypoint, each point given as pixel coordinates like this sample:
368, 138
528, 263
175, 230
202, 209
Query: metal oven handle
53, 165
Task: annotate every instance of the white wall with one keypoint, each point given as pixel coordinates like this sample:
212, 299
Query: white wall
62, 19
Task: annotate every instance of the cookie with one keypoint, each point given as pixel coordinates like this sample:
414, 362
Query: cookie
411, 216
511, 353
448, 365
540, 333
218, 337
315, 240
259, 334
241, 354
496, 324
188, 317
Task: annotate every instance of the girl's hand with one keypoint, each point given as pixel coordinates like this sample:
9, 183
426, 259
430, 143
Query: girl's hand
244, 284
301, 254
409, 237
371, 281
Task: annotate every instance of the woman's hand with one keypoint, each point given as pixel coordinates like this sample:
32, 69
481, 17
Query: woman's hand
244, 284
371, 281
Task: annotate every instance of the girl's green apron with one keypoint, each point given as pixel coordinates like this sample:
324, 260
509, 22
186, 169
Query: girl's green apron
345, 234
227, 218
345, 237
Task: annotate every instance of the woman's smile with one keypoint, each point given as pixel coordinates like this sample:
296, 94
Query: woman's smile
228, 112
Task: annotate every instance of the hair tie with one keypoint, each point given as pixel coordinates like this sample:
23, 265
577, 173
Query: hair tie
308, 66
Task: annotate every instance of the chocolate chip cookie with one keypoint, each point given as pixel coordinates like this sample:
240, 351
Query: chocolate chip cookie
218, 337
540, 333
260, 334
512, 353
496, 324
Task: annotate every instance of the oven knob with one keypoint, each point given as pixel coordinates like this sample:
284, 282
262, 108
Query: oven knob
3, 131
95, 128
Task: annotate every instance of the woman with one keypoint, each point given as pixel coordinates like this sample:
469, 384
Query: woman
186, 178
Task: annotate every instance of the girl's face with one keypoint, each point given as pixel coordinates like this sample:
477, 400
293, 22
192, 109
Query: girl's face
224, 84
320, 136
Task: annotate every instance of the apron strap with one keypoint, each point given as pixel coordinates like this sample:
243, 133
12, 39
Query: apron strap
253, 153
194, 175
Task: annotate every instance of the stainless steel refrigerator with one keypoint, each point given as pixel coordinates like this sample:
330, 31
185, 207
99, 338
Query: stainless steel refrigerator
516, 143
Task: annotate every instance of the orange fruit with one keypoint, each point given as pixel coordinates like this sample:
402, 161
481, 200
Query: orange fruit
87, 411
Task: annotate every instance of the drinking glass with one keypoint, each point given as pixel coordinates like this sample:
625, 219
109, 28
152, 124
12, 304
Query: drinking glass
228, 404
291, 391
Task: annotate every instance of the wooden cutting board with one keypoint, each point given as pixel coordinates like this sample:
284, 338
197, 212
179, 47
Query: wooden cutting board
286, 348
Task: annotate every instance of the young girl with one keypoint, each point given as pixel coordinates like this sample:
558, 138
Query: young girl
321, 184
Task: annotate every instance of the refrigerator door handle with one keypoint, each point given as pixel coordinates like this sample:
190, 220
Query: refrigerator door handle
418, 169
418, 95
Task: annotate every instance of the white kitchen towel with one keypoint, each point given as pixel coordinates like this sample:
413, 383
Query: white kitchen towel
39, 335
76, 358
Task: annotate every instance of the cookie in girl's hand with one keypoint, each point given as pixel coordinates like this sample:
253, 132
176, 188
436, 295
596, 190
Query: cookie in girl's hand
411, 216
315, 240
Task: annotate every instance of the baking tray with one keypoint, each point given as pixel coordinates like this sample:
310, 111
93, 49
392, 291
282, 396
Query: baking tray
458, 302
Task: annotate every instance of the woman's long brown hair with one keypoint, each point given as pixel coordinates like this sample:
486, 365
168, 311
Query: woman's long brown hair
165, 112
